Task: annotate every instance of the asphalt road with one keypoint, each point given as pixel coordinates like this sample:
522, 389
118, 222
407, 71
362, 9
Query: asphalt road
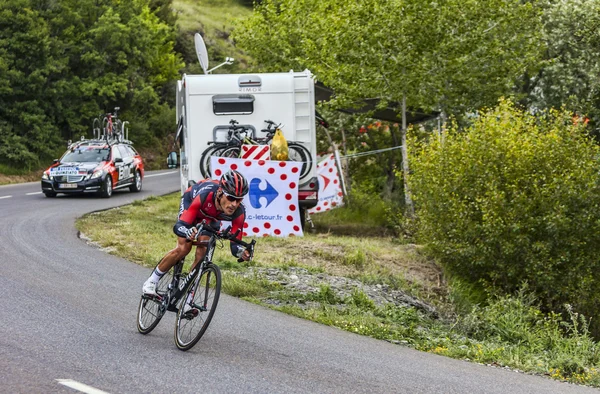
68, 324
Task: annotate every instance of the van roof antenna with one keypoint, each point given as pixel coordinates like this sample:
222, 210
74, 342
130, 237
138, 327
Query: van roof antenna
228, 60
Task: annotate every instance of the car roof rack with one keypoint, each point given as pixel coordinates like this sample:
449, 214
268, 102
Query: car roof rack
119, 132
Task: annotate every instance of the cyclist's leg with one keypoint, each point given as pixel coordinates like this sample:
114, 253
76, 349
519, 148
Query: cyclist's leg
201, 245
200, 250
182, 249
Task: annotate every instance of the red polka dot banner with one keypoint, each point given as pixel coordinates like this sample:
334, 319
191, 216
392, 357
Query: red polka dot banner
330, 189
272, 201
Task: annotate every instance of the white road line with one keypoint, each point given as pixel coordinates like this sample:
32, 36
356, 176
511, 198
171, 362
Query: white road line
164, 173
31, 194
1, 197
84, 388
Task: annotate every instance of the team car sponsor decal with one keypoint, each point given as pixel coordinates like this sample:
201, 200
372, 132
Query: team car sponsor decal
61, 171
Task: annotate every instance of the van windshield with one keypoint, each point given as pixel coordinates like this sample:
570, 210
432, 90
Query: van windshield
86, 154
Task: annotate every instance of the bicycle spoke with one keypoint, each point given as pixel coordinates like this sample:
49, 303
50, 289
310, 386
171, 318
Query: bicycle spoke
151, 309
191, 325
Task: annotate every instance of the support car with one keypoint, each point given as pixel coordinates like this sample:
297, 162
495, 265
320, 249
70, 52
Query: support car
95, 166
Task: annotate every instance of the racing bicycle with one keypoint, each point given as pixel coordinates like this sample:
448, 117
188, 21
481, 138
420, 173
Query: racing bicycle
199, 289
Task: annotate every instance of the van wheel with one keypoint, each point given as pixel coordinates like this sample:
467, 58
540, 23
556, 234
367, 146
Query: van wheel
107, 188
137, 182
50, 194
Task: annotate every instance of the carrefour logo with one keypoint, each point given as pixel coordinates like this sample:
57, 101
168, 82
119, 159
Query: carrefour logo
256, 193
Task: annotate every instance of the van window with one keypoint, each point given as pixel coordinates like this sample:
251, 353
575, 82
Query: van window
124, 152
116, 153
233, 104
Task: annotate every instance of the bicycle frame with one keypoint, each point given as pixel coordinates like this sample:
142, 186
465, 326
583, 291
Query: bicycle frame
178, 286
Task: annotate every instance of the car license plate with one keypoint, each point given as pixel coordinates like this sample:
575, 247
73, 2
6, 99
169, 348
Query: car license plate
67, 186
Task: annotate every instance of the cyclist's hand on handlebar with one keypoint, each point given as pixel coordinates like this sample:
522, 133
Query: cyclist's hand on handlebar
245, 256
190, 233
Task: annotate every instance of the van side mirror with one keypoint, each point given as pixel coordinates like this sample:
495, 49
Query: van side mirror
172, 160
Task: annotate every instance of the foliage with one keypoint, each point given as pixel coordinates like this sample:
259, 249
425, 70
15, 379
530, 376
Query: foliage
569, 73
454, 55
214, 20
514, 198
65, 62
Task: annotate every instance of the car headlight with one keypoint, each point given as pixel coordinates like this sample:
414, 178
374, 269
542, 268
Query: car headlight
97, 174
45, 176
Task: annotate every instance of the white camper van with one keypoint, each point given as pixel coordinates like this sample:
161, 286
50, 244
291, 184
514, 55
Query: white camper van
207, 103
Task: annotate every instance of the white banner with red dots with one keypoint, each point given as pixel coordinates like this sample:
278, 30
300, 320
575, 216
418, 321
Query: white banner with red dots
330, 190
272, 200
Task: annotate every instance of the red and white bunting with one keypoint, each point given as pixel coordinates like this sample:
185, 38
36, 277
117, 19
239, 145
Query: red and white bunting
256, 152
330, 191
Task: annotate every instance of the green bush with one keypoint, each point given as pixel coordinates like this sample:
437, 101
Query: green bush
514, 198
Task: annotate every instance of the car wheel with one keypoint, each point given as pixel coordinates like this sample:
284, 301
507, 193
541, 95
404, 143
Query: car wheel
50, 194
137, 182
107, 188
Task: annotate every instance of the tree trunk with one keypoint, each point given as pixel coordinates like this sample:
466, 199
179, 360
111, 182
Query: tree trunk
409, 208
391, 167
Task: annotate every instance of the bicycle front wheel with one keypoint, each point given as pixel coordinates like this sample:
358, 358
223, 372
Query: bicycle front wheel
197, 307
152, 309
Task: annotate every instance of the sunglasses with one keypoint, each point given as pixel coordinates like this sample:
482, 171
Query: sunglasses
233, 199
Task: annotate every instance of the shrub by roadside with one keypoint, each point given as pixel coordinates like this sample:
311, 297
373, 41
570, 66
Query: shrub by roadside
515, 198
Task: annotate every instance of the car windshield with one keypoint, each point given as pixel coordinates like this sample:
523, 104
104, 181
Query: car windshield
86, 154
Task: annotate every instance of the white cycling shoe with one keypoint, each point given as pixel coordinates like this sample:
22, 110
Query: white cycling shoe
149, 288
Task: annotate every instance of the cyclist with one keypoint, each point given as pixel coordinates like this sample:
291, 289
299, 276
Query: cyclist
208, 200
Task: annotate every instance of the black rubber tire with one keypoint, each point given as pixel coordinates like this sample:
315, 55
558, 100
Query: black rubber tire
189, 330
107, 187
137, 182
212, 150
150, 311
50, 194
231, 152
298, 152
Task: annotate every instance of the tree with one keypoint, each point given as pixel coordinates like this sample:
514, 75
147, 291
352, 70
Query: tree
64, 62
454, 56
570, 72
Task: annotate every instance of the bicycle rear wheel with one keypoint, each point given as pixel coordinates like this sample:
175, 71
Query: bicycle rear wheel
152, 309
213, 150
232, 152
298, 152
191, 325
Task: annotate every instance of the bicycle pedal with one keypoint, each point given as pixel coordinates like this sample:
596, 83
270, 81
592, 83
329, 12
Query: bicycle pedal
191, 314
152, 297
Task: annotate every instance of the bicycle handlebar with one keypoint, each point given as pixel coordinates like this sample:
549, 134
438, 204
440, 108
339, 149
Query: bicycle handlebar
228, 235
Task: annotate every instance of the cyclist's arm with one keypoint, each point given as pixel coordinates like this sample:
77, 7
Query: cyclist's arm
188, 212
237, 223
